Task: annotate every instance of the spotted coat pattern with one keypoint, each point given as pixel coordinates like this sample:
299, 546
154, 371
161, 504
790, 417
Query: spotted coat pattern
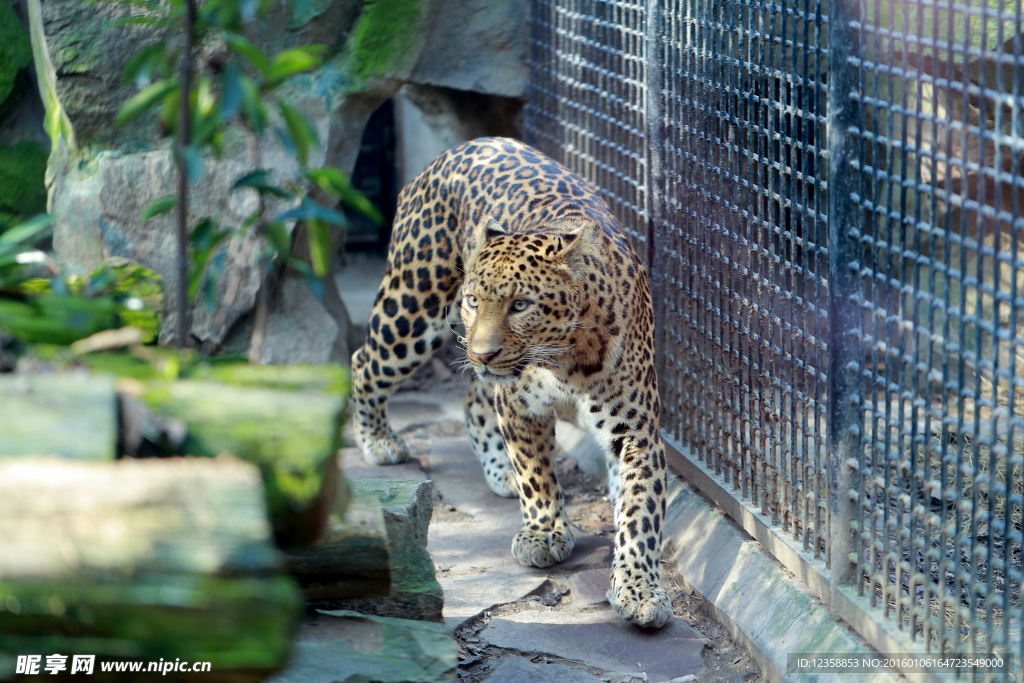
558, 318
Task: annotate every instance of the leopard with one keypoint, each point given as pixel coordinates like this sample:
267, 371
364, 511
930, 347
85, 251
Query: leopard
558, 323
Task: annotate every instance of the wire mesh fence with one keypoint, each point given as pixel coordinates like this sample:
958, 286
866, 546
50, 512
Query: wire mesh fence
932, 157
587, 99
828, 197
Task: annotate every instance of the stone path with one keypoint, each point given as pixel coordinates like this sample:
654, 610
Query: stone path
505, 623
558, 614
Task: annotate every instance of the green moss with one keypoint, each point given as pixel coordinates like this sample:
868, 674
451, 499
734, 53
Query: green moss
385, 38
292, 436
330, 378
22, 171
238, 622
15, 50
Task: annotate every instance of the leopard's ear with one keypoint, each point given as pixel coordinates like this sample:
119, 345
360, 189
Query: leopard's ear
492, 229
566, 244
483, 234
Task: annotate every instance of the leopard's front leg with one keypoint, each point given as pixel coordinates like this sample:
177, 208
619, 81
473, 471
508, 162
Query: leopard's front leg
636, 476
546, 537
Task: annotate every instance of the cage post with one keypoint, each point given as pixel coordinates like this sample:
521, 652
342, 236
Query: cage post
654, 144
844, 293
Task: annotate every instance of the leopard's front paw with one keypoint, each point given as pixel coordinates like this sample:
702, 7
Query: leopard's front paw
642, 604
389, 449
542, 549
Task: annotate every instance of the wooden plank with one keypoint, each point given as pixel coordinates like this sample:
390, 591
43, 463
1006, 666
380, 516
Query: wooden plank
73, 416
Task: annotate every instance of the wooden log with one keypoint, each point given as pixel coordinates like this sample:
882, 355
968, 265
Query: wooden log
143, 560
351, 559
72, 416
291, 435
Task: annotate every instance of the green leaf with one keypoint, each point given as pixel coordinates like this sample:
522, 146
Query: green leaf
170, 110
193, 164
56, 318
278, 235
148, 5
299, 10
145, 99
243, 48
316, 284
213, 272
204, 127
140, 65
319, 246
205, 236
158, 206
293, 61
335, 184
136, 290
204, 240
310, 210
259, 181
302, 133
231, 91
25, 233
252, 105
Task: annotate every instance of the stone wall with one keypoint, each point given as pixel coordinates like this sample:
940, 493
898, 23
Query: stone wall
100, 178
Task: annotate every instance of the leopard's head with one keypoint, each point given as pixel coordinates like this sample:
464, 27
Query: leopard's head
520, 299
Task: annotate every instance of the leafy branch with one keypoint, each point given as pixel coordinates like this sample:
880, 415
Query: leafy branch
237, 86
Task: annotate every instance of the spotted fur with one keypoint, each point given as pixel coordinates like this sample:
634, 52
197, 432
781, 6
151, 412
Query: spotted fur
558, 320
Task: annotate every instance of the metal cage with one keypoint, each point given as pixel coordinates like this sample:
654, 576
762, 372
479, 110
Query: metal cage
828, 197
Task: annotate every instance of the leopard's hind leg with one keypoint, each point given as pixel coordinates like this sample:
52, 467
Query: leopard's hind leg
397, 342
485, 436
409, 319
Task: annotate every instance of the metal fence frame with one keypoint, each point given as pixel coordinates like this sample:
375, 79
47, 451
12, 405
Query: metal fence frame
789, 341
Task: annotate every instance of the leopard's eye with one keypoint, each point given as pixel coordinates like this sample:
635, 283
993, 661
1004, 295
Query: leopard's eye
520, 305
472, 301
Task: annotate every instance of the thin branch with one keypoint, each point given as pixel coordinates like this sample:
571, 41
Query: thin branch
183, 142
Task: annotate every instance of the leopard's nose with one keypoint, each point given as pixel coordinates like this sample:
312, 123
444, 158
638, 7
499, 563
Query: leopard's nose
484, 357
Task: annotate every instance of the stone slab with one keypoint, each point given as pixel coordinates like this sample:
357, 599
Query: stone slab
589, 588
467, 595
749, 593
457, 473
407, 412
407, 509
351, 558
354, 465
591, 552
461, 547
602, 640
520, 670
73, 416
333, 647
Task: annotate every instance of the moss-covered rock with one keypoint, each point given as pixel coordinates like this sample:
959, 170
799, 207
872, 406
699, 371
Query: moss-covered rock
22, 171
15, 50
290, 432
388, 38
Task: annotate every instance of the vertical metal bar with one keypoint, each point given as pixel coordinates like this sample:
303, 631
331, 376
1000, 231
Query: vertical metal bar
844, 291
654, 149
